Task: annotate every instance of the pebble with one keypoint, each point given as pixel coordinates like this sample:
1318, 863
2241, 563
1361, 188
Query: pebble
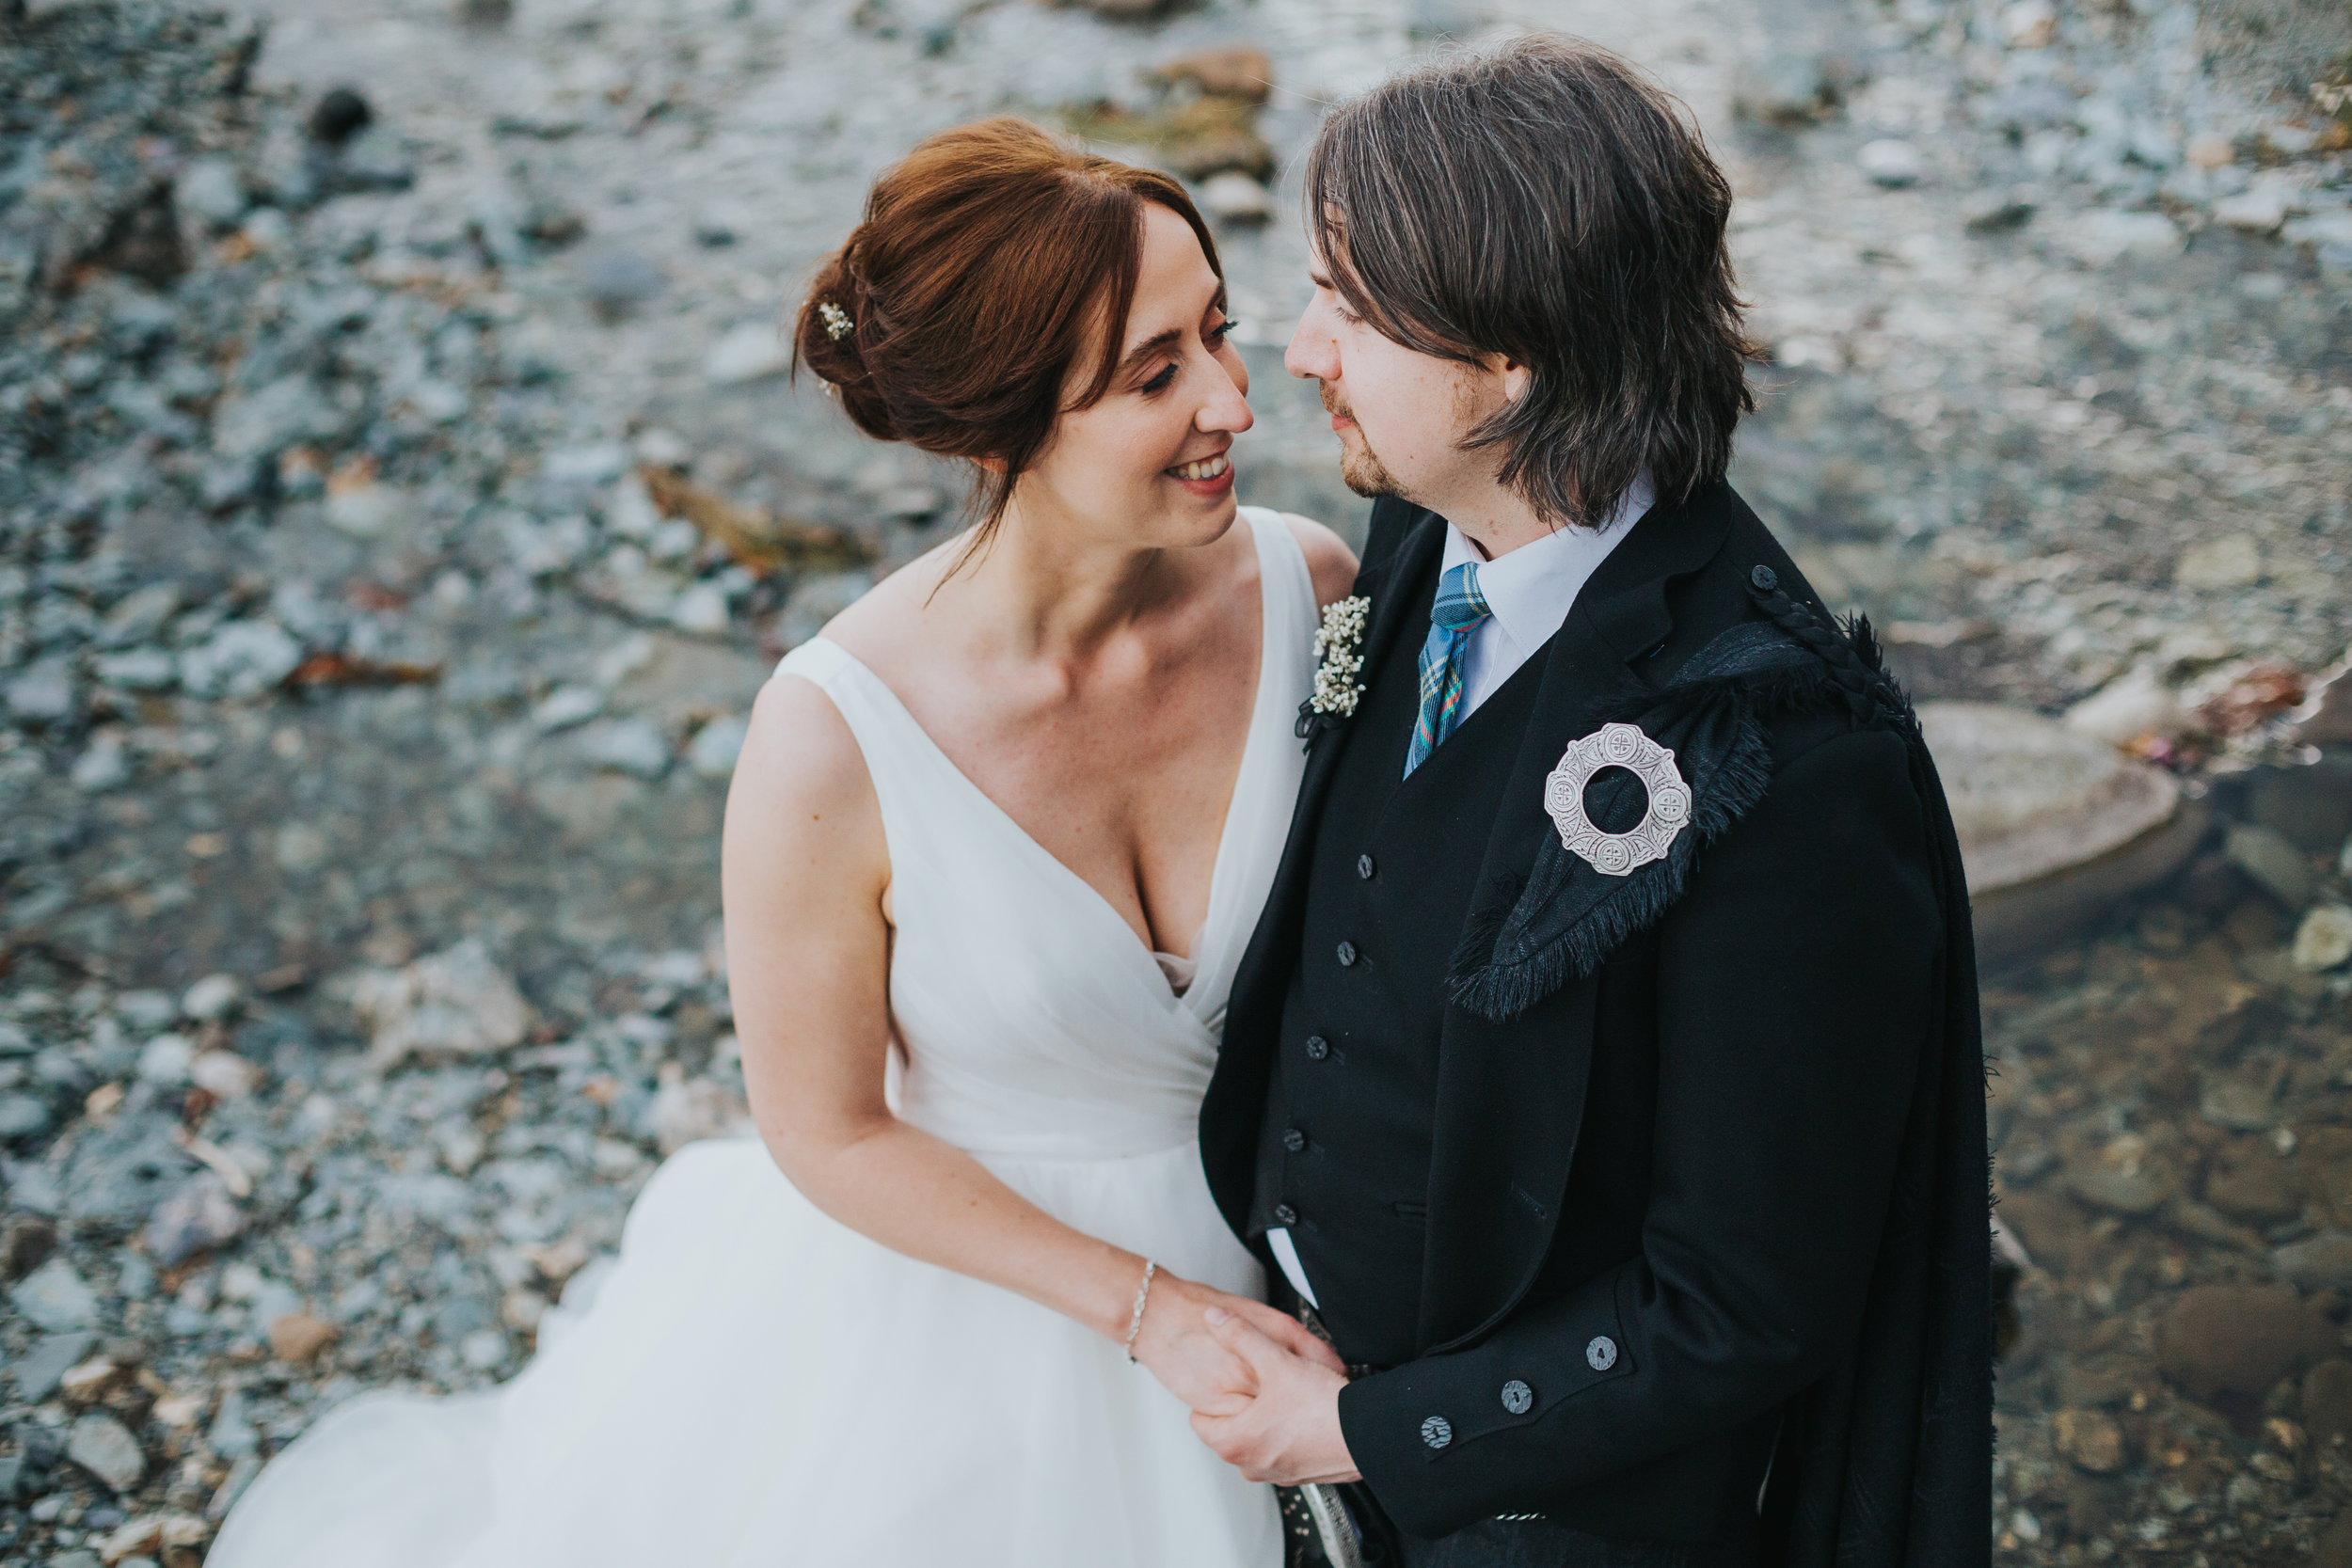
754, 352
2255, 211
23, 1115
2274, 863
200, 1214
55, 1299
212, 998
298, 1337
1233, 196
2226, 560
2320, 1263
568, 707
1892, 163
105, 1446
631, 746
104, 764
712, 752
2101, 238
2325, 938
163, 1061
242, 660
2090, 1438
42, 1367
2239, 1338
457, 1003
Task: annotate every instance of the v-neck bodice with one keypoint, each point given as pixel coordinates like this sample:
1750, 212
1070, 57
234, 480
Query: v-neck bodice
1033, 1019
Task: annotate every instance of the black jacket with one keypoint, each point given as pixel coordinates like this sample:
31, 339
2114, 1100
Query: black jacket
1732, 1123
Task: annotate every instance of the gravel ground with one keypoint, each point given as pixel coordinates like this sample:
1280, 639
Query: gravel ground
400, 503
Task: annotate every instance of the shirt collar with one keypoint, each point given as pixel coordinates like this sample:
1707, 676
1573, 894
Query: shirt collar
1531, 589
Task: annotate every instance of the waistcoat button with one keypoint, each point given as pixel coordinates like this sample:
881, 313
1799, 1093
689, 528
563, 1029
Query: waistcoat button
1317, 1048
1294, 1140
1285, 1214
1601, 1354
1347, 954
1363, 867
1437, 1432
1517, 1398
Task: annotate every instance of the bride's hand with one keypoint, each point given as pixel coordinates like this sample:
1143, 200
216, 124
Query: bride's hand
1175, 1343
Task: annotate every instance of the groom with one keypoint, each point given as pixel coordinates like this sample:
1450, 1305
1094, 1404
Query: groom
1604, 1077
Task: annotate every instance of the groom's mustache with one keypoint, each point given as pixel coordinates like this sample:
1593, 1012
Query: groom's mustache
1331, 403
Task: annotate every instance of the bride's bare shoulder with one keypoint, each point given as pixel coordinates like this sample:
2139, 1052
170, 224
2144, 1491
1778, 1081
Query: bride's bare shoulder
1329, 562
879, 625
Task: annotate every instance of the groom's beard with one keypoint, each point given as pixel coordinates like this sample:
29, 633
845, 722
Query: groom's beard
1361, 468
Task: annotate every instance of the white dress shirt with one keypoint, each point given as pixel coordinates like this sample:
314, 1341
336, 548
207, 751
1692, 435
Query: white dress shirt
1531, 591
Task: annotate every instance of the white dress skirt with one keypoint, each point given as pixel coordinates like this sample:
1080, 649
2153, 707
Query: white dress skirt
755, 1383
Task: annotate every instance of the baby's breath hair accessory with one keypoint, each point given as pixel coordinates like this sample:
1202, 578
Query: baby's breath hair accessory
1339, 660
836, 320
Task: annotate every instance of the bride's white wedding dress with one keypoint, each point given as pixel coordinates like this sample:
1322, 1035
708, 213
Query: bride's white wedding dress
755, 1384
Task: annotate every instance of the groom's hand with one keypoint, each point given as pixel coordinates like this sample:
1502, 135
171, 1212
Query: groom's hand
1290, 1433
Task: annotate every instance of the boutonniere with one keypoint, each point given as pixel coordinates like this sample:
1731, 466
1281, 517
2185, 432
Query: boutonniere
1339, 659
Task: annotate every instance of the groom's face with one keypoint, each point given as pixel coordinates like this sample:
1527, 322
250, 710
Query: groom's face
1399, 414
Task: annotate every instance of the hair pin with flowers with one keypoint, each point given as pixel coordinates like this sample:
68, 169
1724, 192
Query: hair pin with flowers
836, 320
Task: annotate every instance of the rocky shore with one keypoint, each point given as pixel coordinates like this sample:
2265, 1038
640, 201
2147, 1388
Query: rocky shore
401, 501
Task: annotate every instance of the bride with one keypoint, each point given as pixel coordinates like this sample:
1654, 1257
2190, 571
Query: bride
993, 851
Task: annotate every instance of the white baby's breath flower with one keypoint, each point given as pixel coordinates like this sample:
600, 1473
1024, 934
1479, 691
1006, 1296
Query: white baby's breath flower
1337, 660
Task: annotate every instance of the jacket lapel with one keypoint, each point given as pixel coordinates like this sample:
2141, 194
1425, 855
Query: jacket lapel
1477, 1266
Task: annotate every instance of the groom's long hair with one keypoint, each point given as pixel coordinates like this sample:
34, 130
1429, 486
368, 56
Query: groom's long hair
1544, 199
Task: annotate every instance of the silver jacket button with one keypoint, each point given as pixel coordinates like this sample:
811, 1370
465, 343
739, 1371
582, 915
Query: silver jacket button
1517, 1398
1601, 1354
1437, 1432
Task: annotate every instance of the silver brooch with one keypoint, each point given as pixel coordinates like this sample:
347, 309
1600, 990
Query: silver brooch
836, 320
1618, 746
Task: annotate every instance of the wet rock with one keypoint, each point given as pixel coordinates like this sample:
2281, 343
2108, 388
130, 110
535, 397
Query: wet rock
2123, 1192
105, 1447
457, 1003
2135, 705
2324, 939
2090, 1438
2254, 1185
2275, 864
2054, 825
2320, 1263
55, 1299
2240, 1105
2239, 1338
1892, 163
200, 1215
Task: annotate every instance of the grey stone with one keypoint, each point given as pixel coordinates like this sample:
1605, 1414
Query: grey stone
1891, 162
232, 1433
2319, 1263
210, 188
42, 694
105, 1447
38, 1371
2274, 863
23, 1115
200, 1214
631, 746
55, 1299
243, 660
2055, 826
715, 746
753, 352
455, 1003
287, 411
617, 281
1785, 87
139, 670
103, 765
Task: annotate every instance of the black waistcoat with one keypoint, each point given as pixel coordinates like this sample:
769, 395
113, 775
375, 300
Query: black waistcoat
1345, 1147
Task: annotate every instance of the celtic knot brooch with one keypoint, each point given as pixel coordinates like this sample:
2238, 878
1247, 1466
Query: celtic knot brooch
1669, 812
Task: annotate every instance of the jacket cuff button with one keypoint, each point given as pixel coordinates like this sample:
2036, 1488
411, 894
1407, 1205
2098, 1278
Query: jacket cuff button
1437, 1432
1517, 1398
1601, 1354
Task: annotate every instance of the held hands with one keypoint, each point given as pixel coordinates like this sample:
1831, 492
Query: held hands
1287, 1431
1197, 1363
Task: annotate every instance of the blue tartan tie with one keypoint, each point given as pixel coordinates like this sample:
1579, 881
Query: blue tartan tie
1459, 609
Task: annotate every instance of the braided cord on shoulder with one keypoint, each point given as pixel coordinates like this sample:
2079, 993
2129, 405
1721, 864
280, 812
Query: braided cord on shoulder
1869, 690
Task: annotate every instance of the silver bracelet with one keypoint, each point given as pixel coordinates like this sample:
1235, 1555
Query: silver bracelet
1143, 1294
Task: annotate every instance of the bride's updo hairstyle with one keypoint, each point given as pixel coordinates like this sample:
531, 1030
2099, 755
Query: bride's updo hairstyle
992, 260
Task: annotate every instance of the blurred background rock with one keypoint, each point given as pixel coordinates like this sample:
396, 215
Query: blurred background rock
401, 498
